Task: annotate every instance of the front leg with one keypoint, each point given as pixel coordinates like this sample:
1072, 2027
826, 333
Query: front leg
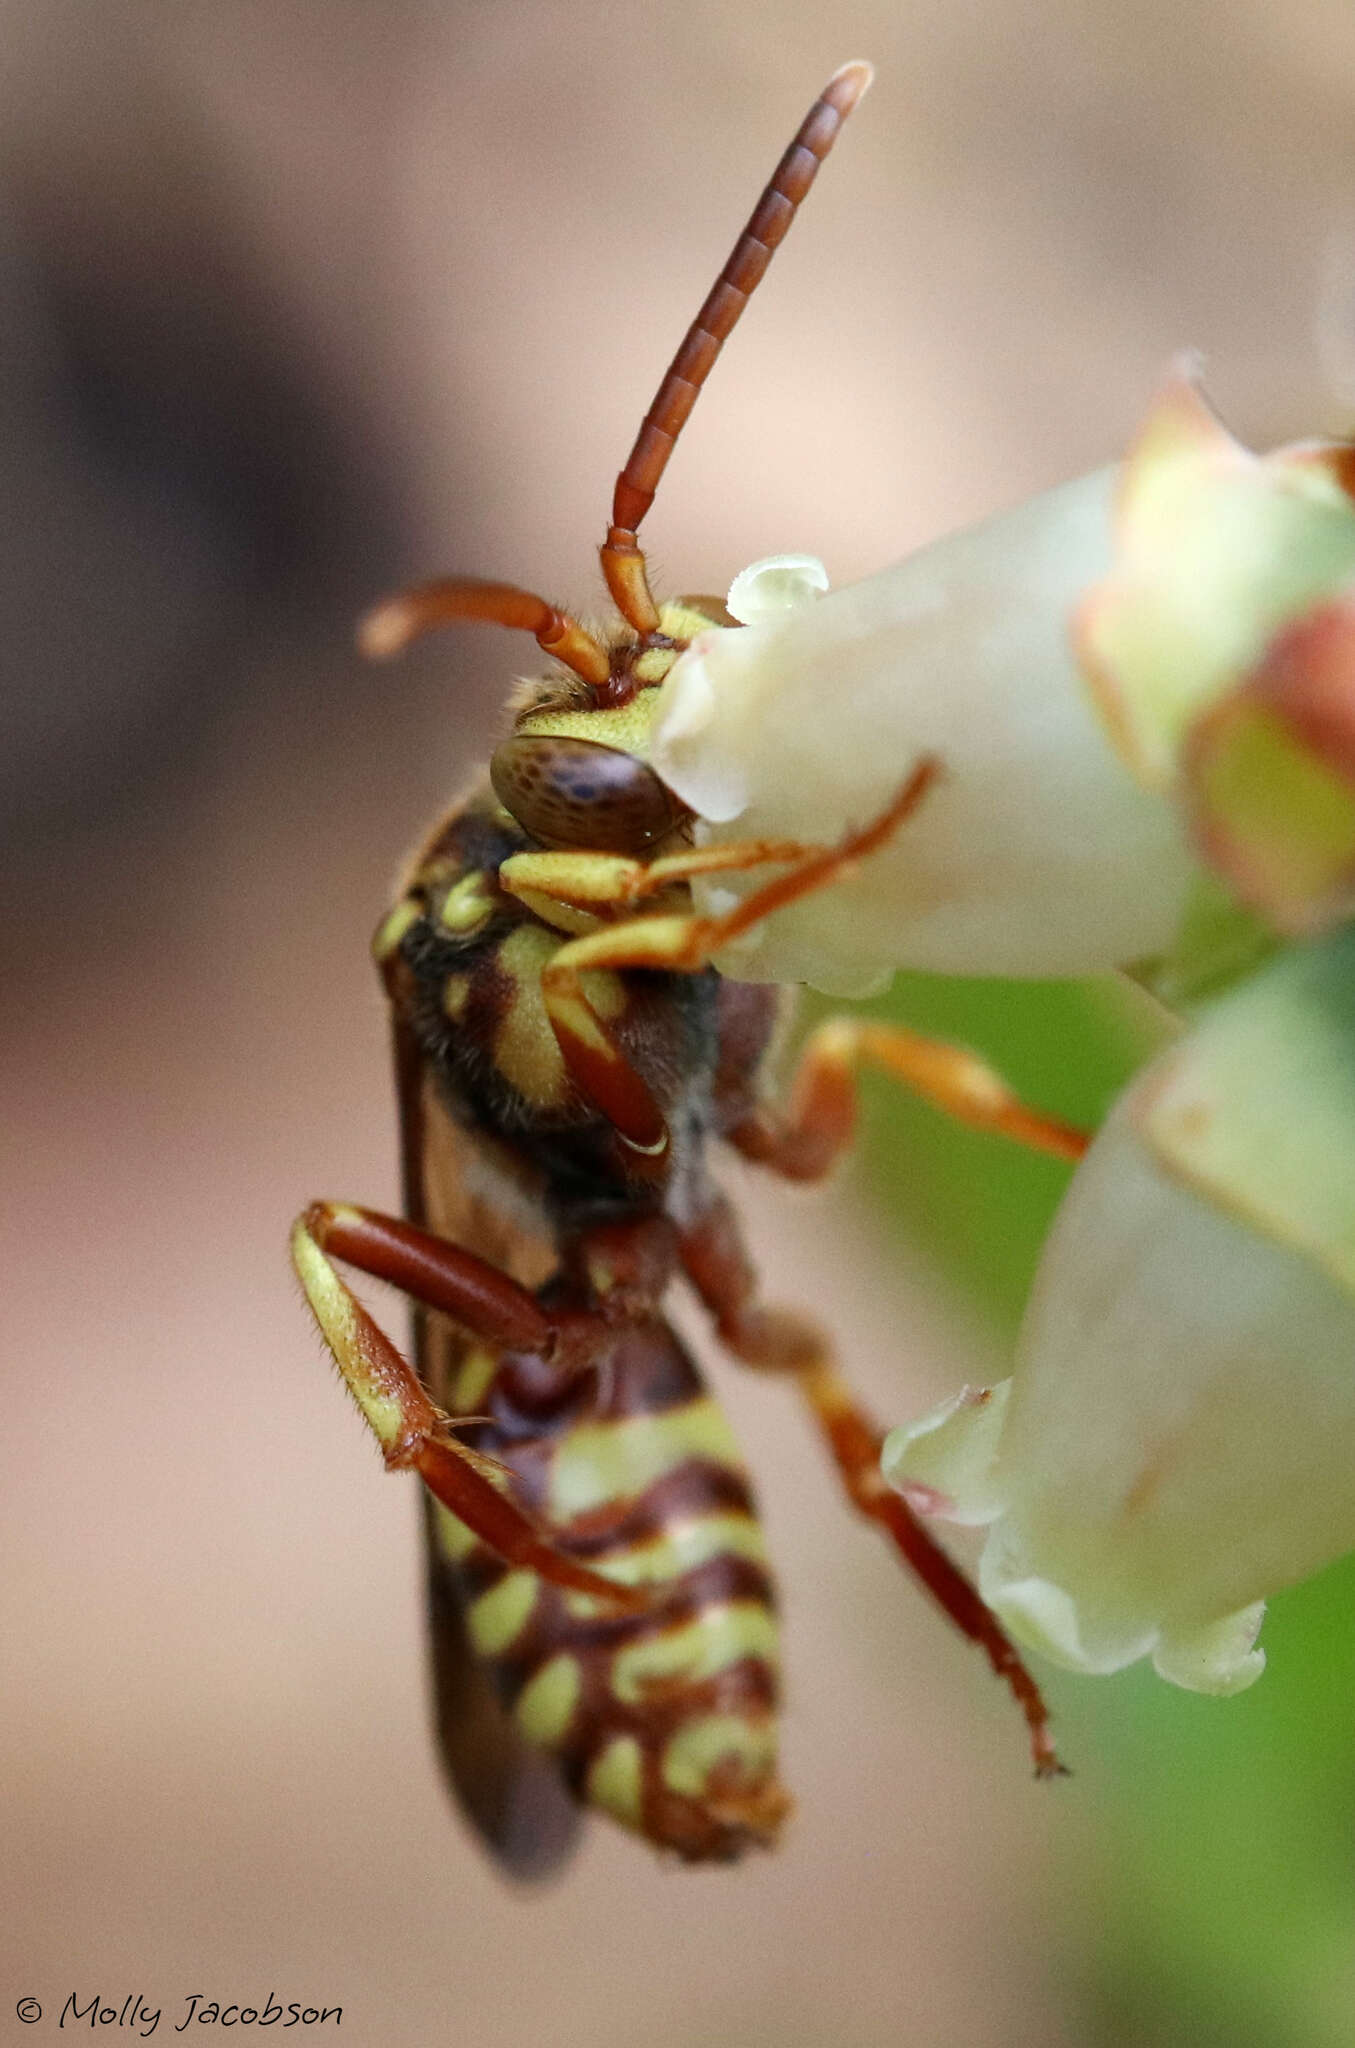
411, 1430
675, 942
717, 1263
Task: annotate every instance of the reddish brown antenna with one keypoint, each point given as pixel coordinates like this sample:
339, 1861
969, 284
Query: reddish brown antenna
391, 626
623, 565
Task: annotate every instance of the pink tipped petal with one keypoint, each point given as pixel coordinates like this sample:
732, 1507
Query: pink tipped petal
1270, 776
1217, 550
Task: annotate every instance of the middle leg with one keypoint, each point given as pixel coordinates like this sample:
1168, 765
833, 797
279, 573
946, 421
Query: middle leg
804, 1140
412, 1431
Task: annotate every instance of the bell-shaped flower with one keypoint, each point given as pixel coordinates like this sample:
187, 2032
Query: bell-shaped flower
1147, 667
1036, 853
1221, 649
1177, 1440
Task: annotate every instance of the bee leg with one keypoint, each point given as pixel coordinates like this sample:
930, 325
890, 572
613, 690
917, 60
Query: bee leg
717, 1263
682, 943
584, 880
412, 1431
804, 1140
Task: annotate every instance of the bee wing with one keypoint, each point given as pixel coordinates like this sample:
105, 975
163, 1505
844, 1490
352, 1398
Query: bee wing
511, 1793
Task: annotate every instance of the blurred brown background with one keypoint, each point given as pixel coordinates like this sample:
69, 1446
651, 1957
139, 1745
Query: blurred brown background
298, 300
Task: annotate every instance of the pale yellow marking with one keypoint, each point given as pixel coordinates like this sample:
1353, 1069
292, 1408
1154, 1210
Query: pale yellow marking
652, 1151
598, 1462
392, 929
685, 1546
640, 940
561, 917
697, 1650
455, 995
595, 876
623, 726
335, 1312
454, 1539
606, 994
525, 1047
326, 1293
472, 1381
526, 1050
653, 665
496, 1618
701, 1747
578, 1018
546, 1703
467, 905
675, 1551
615, 1780
684, 622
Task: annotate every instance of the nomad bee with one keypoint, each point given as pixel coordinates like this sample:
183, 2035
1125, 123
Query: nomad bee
603, 1613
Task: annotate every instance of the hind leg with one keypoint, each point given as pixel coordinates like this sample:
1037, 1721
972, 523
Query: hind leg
717, 1263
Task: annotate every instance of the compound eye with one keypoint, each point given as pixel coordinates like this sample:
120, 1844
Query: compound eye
570, 792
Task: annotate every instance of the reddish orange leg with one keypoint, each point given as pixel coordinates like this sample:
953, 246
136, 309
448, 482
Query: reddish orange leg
804, 1141
412, 1431
718, 1266
682, 943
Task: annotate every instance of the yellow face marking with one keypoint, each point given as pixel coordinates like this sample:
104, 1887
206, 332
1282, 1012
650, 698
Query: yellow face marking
392, 929
467, 905
546, 1703
614, 1783
697, 1649
497, 1618
684, 622
624, 726
604, 1461
454, 1539
714, 1743
455, 995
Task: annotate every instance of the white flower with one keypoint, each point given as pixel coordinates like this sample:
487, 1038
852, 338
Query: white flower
1037, 853
1177, 1441
1151, 657
1221, 649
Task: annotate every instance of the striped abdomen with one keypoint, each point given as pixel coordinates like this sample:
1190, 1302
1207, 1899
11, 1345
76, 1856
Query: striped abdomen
668, 1720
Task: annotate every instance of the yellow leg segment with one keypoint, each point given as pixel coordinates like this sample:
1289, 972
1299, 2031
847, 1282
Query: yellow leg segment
679, 942
412, 1431
613, 881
